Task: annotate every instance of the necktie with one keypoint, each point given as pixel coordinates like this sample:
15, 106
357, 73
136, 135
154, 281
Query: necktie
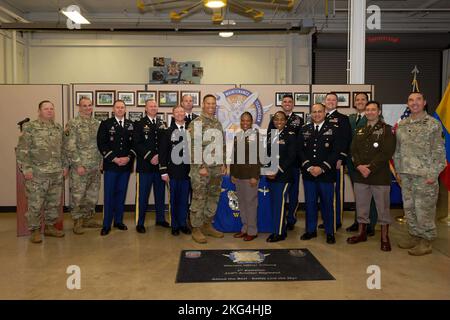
189, 117
153, 121
181, 128
317, 129
120, 123
358, 118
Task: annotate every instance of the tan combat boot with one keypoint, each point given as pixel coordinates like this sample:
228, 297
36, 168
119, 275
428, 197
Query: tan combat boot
36, 236
209, 230
51, 231
423, 248
91, 223
409, 242
198, 236
78, 226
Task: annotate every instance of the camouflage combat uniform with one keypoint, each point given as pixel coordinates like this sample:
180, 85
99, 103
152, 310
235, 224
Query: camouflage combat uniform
420, 155
80, 142
205, 190
40, 152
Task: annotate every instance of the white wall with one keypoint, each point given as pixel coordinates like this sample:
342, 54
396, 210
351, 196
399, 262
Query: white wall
118, 58
6, 61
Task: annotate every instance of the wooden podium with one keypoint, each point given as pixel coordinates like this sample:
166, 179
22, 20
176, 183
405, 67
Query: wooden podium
22, 207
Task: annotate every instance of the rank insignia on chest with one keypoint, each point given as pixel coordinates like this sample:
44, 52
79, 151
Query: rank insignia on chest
130, 127
112, 130
329, 132
335, 120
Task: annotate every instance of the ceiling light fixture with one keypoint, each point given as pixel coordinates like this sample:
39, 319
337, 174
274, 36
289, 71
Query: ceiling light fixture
215, 4
73, 14
226, 34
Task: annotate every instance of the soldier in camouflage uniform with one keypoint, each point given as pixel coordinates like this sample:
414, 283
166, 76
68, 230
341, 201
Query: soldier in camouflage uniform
41, 160
419, 158
81, 149
206, 178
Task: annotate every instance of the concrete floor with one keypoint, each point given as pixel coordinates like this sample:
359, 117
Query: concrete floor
128, 265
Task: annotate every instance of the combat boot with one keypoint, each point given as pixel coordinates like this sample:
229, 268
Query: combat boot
423, 248
36, 236
409, 242
91, 223
362, 236
209, 230
51, 231
78, 226
198, 236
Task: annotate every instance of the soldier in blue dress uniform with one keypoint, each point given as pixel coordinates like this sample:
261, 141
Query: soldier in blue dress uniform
293, 124
115, 142
174, 169
344, 133
319, 148
281, 177
146, 135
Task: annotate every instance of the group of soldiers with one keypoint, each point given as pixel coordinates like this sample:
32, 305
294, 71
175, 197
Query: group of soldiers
87, 148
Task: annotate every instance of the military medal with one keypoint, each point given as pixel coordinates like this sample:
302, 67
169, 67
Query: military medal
375, 144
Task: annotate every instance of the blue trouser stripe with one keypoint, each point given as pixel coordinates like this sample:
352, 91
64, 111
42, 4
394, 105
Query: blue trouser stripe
179, 202
323, 191
146, 182
115, 192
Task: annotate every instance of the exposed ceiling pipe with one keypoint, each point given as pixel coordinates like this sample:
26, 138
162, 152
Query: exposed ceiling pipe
13, 15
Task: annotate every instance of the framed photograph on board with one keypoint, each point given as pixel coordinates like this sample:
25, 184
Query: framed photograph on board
168, 98
279, 97
319, 97
302, 99
343, 99
84, 94
143, 96
135, 115
301, 115
127, 97
195, 97
101, 115
104, 98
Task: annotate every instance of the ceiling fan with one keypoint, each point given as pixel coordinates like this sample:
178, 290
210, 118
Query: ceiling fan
217, 7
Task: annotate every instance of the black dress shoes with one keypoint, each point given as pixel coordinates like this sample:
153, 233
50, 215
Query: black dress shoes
308, 235
276, 237
330, 239
140, 229
185, 230
175, 232
120, 226
104, 231
163, 224
290, 226
353, 227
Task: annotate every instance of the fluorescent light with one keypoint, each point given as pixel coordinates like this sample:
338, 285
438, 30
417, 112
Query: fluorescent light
215, 4
75, 16
226, 34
